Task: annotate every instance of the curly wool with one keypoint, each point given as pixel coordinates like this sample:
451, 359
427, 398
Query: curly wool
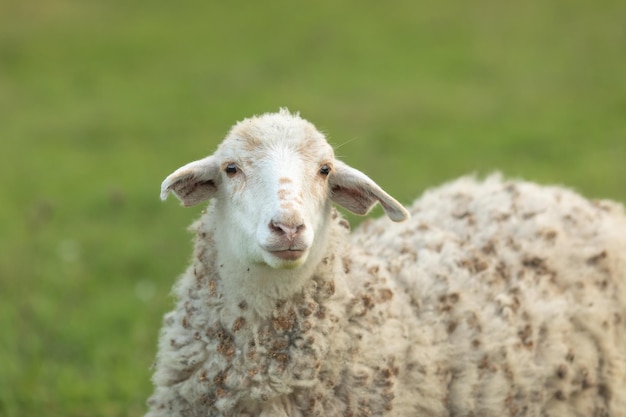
523, 287
217, 359
498, 298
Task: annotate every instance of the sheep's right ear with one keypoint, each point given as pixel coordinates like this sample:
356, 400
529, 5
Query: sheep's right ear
193, 183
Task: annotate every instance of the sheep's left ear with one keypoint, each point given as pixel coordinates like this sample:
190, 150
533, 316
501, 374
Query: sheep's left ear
193, 183
357, 193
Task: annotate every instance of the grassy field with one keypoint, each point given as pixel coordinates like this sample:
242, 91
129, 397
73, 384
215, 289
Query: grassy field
100, 100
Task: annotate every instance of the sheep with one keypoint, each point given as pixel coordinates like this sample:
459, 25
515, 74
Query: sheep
497, 297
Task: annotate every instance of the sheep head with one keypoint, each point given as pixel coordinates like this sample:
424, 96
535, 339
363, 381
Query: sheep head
274, 178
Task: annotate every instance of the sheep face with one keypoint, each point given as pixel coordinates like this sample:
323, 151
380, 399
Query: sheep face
273, 192
274, 178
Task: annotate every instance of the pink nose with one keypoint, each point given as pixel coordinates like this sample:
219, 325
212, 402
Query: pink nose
289, 231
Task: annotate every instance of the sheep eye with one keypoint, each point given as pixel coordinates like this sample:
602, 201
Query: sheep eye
231, 169
325, 170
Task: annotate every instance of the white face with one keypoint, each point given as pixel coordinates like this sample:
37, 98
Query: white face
273, 178
273, 192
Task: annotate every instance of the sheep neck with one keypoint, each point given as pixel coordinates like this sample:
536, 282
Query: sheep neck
256, 284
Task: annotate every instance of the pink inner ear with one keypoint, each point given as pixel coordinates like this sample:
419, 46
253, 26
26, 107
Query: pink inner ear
190, 187
356, 200
355, 193
192, 192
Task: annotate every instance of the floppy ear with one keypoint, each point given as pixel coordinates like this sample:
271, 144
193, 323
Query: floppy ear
193, 183
357, 193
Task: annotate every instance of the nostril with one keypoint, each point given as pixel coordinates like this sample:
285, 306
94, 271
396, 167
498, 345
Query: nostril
295, 231
276, 228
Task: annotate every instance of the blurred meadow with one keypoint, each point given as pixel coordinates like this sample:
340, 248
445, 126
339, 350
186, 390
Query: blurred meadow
101, 99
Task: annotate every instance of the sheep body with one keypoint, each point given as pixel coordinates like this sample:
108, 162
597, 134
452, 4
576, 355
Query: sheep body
497, 298
520, 290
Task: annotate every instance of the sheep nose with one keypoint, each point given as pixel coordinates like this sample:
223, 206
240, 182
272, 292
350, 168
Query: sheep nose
290, 231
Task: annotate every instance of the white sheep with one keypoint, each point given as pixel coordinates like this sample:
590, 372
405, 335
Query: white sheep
498, 298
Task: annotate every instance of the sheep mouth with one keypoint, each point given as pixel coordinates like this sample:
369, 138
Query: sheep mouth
288, 254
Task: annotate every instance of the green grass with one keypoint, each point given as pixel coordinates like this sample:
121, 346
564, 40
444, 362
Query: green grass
100, 100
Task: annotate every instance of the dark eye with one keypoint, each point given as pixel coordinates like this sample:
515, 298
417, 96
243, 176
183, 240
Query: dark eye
231, 169
325, 170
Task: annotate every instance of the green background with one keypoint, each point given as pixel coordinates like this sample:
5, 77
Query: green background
101, 99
